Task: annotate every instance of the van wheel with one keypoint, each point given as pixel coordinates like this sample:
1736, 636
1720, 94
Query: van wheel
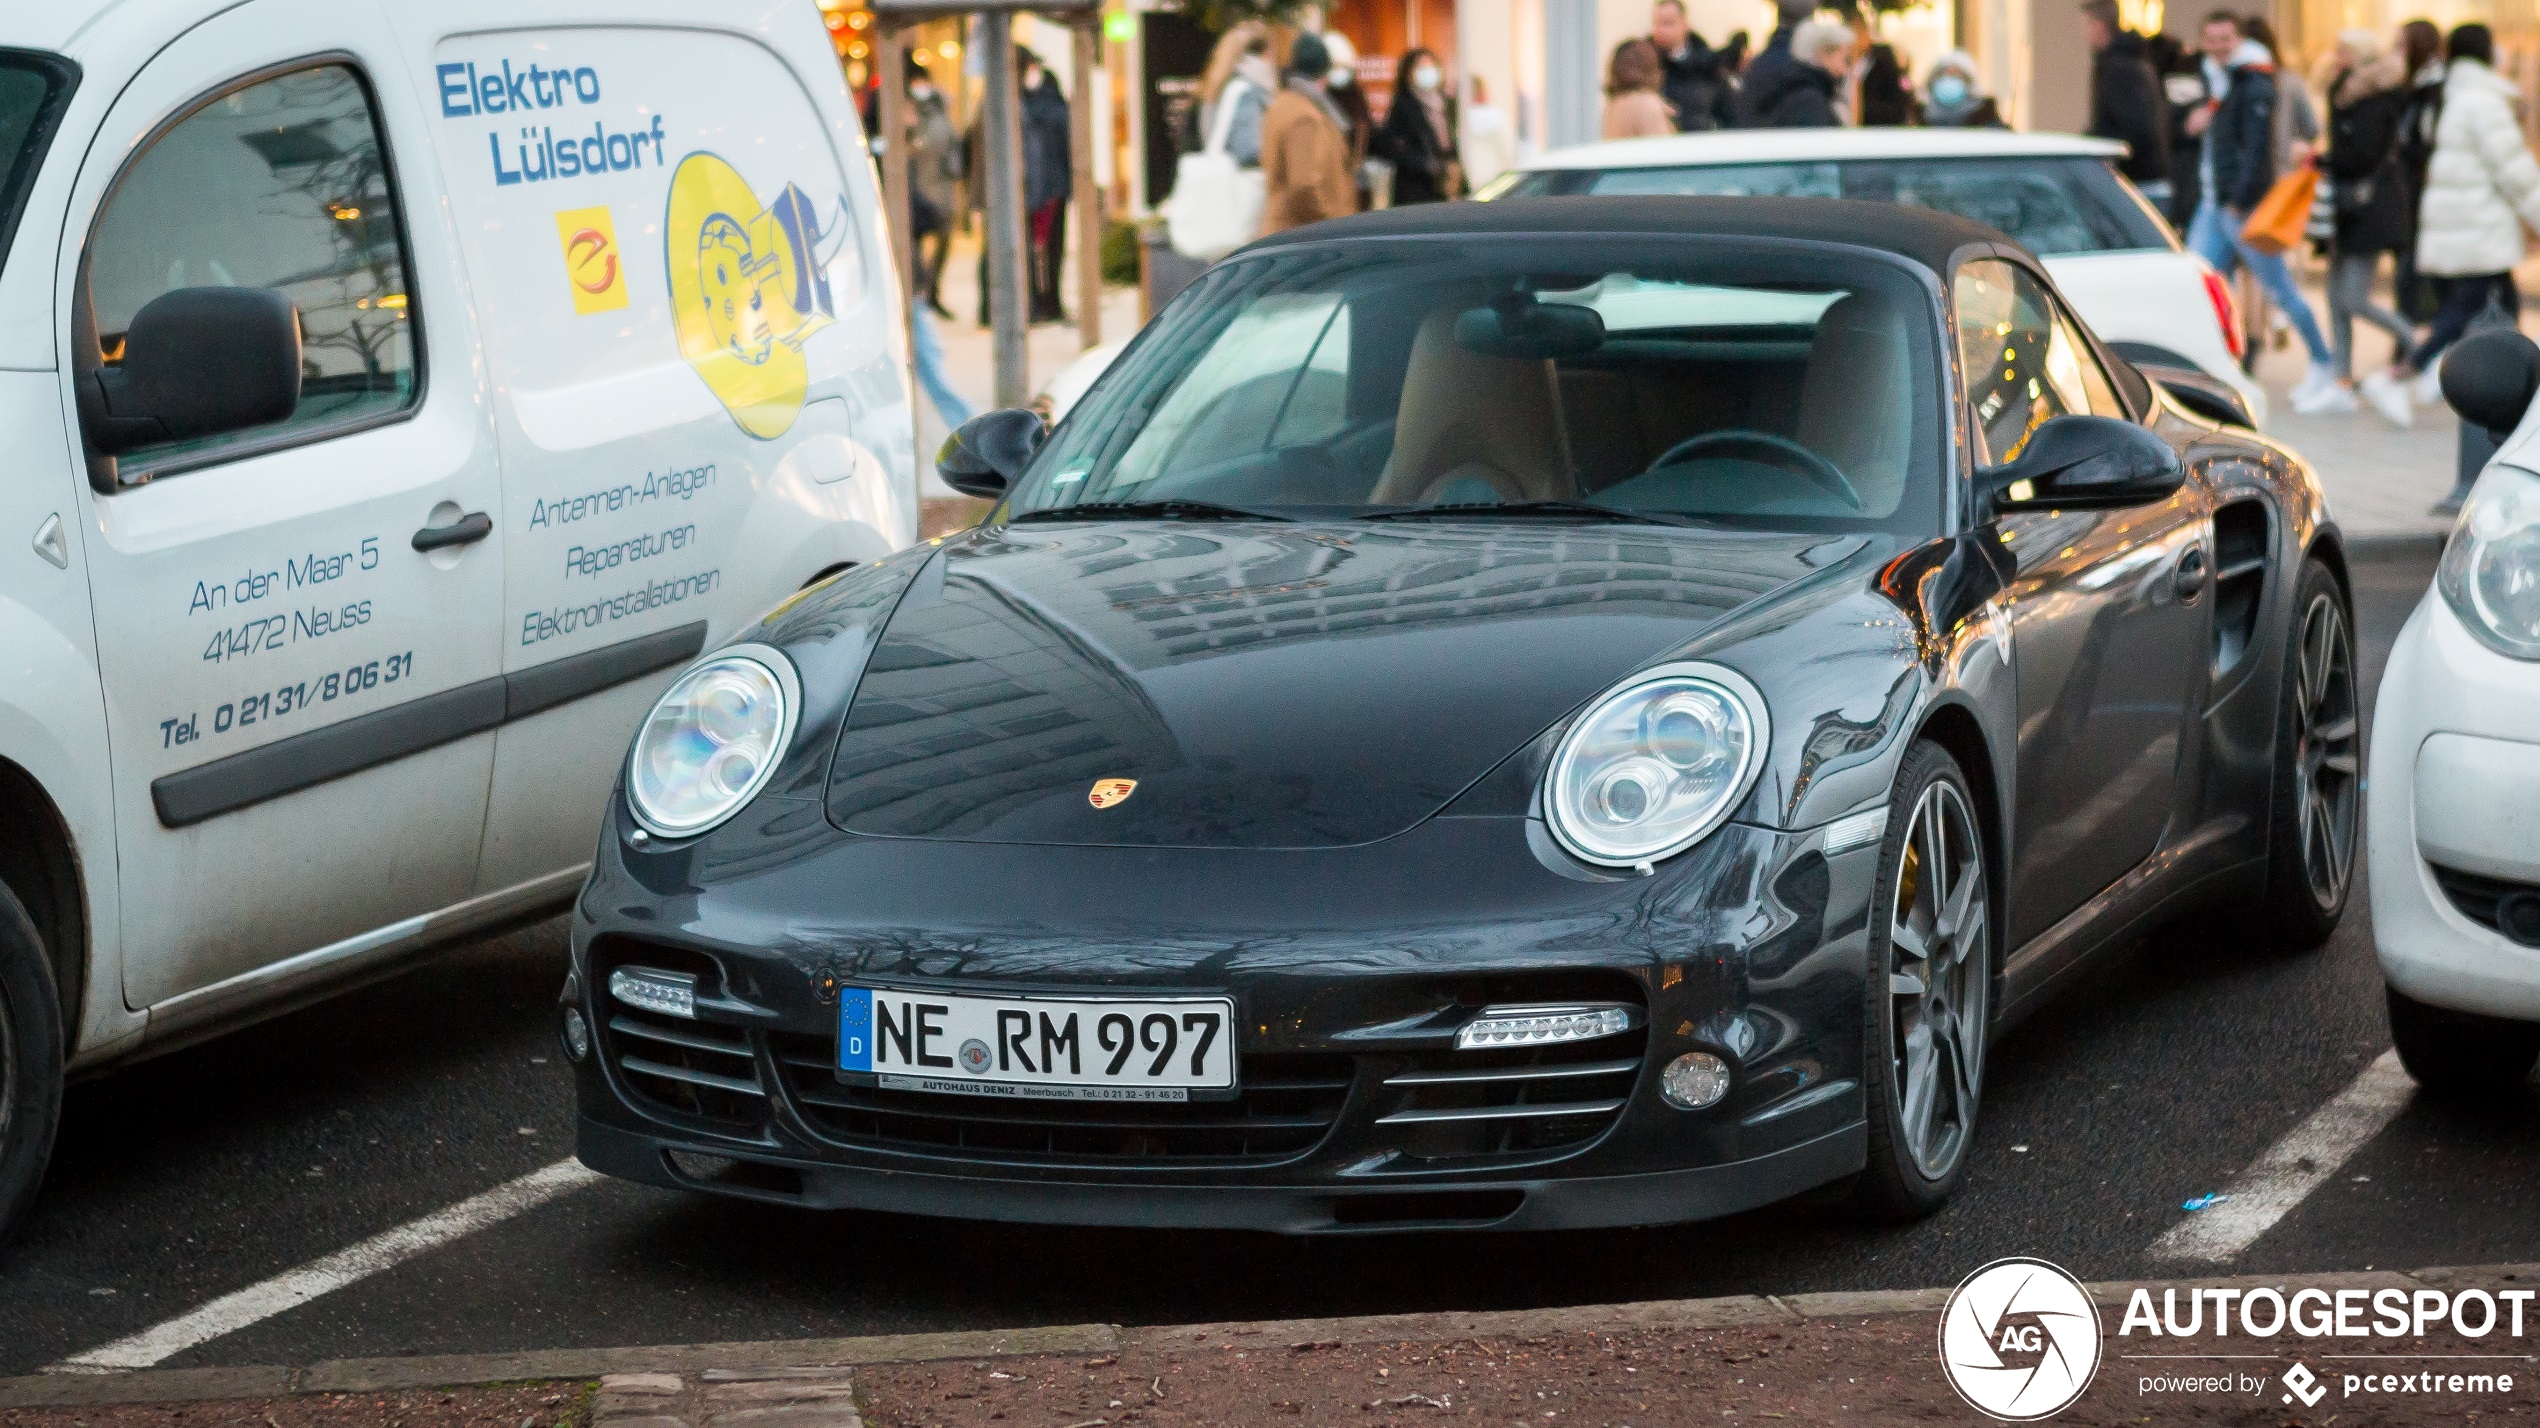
2460, 1053
2315, 817
30, 1062
1929, 1000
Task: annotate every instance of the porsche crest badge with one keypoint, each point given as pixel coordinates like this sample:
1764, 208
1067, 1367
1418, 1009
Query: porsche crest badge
1108, 791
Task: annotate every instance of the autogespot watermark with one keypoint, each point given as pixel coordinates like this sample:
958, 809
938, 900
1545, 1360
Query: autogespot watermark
2021, 1340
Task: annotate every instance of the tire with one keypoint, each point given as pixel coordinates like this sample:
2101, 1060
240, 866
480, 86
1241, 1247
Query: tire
30, 1063
1925, 1032
2315, 808
2460, 1053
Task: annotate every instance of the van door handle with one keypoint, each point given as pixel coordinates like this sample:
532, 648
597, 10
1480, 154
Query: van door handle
466, 530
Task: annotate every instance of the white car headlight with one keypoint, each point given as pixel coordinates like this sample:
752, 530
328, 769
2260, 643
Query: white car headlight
1656, 764
2491, 570
713, 740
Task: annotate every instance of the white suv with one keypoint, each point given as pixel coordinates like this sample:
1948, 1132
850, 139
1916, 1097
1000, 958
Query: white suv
395, 397
2114, 258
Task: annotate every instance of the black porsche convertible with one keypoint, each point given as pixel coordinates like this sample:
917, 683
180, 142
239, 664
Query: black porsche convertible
1552, 713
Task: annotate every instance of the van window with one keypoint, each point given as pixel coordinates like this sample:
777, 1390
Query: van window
33, 88
282, 184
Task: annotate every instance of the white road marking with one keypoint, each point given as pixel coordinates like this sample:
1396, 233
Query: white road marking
2292, 1167
350, 1265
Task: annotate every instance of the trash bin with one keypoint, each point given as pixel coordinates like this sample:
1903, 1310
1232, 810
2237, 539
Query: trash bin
1162, 272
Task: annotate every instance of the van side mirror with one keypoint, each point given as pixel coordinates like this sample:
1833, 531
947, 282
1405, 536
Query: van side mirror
196, 362
2084, 463
2489, 377
990, 451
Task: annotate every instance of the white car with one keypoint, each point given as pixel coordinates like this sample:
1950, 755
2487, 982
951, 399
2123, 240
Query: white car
395, 397
2452, 816
2112, 256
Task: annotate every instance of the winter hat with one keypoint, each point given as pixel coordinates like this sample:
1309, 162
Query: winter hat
1308, 58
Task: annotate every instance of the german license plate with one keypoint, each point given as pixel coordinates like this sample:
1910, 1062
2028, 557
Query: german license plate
1038, 1048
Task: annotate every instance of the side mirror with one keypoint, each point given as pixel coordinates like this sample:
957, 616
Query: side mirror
989, 453
2084, 463
196, 362
2489, 377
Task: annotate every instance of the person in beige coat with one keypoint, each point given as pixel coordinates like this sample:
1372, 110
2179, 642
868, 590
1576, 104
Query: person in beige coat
1634, 107
1305, 146
2482, 188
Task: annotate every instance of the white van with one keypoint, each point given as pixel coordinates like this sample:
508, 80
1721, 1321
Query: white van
393, 397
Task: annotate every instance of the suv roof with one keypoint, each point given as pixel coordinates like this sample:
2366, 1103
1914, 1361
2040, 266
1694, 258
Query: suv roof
1751, 146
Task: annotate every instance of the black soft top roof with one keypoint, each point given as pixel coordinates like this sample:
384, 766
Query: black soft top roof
1923, 235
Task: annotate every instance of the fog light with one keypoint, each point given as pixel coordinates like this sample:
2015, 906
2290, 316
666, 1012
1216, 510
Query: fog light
652, 990
2518, 917
577, 1034
1499, 1027
1694, 1080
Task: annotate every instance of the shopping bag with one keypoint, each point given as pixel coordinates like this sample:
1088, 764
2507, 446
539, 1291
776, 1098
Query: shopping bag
2277, 222
1215, 206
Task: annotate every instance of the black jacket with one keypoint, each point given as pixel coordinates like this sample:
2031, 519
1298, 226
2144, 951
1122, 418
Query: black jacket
2126, 105
1049, 173
1787, 94
2369, 186
1691, 82
2240, 142
1407, 141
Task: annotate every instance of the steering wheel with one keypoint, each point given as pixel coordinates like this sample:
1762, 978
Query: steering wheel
1765, 446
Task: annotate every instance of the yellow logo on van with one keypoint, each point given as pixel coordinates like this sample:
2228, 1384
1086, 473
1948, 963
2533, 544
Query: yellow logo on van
592, 269
748, 283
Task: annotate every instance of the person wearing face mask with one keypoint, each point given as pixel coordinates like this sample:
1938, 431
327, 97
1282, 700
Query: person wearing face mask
1952, 99
934, 181
1341, 87
1418, 137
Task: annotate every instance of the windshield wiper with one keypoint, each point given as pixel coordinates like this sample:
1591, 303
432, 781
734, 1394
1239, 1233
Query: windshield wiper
1177, 508
1529, 508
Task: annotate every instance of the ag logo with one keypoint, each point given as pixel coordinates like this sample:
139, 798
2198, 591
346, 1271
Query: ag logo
748, 285
2019, 1340
592, 272
1108, 791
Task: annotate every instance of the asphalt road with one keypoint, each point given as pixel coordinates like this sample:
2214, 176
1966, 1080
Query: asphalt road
218, 1167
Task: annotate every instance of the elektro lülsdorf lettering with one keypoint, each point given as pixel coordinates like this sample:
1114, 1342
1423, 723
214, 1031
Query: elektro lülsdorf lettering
539, 152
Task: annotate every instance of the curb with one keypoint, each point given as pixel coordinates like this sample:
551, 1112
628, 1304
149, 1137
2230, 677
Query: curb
2393, 545
737, 1362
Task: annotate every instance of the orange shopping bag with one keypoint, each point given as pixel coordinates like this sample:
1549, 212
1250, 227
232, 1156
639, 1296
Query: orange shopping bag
2277, 222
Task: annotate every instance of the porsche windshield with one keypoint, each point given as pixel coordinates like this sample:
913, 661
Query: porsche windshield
1722, 383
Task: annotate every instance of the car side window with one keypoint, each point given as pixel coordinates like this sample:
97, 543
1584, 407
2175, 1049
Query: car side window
2008, 337
282, 184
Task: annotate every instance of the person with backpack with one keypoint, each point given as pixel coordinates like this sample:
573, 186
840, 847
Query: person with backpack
2368, 196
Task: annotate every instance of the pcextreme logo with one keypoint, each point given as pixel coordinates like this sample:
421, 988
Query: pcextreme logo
748, 284
591, 267
2019, 1340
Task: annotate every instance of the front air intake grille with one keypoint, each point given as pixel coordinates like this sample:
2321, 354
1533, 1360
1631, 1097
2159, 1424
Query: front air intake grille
1468, 1106
690, 1068
1284, 1107
2499, 905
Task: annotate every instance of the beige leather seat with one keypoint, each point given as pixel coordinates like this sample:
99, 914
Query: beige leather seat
1467, 417
1856, 400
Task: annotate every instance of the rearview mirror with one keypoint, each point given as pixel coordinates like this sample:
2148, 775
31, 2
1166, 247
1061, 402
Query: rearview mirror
990, 451
196, 362
2488, 378
2085, 463
1535, 331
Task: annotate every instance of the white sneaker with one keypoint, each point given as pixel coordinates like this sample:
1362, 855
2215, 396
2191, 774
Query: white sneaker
2428, 387
2331, 400
2390, 398
2320, 378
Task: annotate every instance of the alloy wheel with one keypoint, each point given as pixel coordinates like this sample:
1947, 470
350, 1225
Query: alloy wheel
1939, 978
2327, 738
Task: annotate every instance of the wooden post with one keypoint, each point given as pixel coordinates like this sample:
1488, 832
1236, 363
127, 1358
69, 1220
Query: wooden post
1007, 243
1089, 204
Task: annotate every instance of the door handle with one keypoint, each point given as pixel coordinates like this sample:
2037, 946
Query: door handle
466, 530
2191, 573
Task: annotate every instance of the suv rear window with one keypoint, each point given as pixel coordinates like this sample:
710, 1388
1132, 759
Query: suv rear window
33, 89
2050, 206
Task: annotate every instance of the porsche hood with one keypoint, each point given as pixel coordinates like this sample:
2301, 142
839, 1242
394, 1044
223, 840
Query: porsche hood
1257, 686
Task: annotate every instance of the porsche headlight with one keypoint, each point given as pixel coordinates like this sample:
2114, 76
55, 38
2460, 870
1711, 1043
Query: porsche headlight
1656, 764
2491, 570
712, 741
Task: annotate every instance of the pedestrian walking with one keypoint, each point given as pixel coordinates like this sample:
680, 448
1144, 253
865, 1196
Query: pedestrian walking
1634, 106
2368, 195
2295, 135
2125, 97
2482, 188
1305, 145
2236, 137
934, 181
2423, 46
1418, 135
1887, 94
1340, 85
1953, 97
1049, 181
1809, 92
1689, 71
1239, 73
1770, 72
933, 377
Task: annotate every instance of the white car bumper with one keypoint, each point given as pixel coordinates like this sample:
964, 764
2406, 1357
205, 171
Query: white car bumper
2455, 783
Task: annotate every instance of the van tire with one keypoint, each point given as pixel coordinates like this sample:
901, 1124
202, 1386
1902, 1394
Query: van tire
30, 1062
2458, 1053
